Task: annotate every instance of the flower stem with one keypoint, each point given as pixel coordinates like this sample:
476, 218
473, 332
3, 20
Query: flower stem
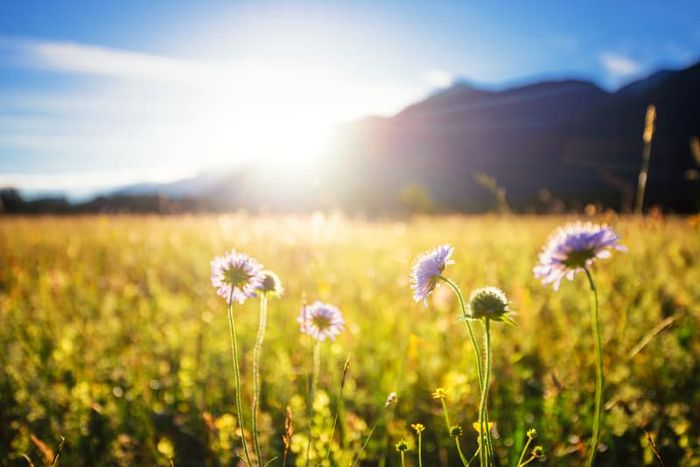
420, 449
470, 330
477, 353
237, 375
256, 375
447, 417
464, 460
337, 407
484, 431
364, 445
531, 459
522, 454
312, 393
403, 460
598, 414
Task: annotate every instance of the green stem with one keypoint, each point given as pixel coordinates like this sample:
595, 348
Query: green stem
487, 385
420, 449
464, 460
312, 393
475, 345
484, 431
478, 450
364, 445
403, 460
447, 417
237, 376
597, 415
256, 375
522, 454
470, 330
337, 408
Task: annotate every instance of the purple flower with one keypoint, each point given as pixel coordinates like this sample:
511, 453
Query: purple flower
572, 248
236, 276
321, 320
427, 270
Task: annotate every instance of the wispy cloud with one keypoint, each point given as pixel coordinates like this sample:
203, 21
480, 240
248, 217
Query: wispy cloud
143, 111
72, 57
619, 65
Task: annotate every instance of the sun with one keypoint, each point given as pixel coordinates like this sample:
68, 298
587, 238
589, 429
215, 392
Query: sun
279, 115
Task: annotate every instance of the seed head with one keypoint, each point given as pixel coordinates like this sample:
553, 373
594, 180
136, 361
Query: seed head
488, 302
401, 446
440, 393
455, 431
271, 284
532, 433
392, 399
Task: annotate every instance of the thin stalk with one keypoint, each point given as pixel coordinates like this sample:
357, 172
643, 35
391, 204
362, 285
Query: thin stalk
312, 393
532, 458
256, 375
337, 408
484, 431
403, 460
449, 426
522, 454
470, 330
237, 376
475, 345
478, 450
447, 417
420, 449
464, 460
598, 414
647, 137
364, 445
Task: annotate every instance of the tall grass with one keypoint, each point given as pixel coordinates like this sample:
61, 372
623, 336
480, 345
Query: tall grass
111, 336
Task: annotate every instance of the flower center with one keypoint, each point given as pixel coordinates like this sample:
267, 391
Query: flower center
237, 277
578, 258
321, 322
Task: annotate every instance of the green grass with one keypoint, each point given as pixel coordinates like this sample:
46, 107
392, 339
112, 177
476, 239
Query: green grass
112, 336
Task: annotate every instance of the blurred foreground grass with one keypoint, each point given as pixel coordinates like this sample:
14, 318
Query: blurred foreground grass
111, 336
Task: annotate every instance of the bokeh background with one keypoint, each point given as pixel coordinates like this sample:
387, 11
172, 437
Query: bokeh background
335, 142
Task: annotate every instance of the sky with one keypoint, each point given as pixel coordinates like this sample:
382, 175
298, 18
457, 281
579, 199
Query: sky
96, 95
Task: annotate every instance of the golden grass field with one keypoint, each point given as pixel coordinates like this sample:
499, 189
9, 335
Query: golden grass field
112, 336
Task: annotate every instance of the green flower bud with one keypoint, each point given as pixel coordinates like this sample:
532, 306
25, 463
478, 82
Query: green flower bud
488, 302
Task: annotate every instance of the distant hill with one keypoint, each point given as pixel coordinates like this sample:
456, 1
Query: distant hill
550, 145
570, 138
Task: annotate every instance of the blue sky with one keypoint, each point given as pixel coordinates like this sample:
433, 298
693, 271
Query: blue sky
100, 94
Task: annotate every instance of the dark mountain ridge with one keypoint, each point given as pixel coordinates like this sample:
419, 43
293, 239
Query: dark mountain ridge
548, 145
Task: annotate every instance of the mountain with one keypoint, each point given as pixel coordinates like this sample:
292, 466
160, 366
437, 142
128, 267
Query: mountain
548, 144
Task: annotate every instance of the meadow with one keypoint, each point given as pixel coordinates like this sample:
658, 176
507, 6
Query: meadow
112, 337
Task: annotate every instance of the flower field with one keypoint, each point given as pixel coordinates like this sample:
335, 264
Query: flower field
113, 338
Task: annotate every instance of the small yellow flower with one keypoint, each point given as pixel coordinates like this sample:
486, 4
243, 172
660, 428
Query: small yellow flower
477, 428
419, 427
440, 393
